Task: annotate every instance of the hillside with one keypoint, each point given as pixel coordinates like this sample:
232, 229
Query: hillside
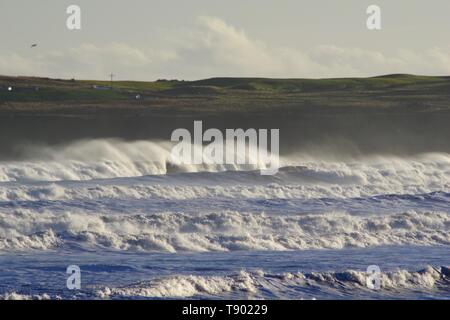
393, 93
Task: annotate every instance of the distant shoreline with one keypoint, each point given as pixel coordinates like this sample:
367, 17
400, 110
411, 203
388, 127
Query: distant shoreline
397, 94
396, 114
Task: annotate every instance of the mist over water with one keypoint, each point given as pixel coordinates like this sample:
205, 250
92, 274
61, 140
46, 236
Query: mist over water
113, 158
324, 132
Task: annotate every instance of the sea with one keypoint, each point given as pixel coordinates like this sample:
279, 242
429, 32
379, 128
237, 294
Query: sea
140, 227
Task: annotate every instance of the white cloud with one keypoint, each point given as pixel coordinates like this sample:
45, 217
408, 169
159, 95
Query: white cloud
13, 63
216, 48
242, 55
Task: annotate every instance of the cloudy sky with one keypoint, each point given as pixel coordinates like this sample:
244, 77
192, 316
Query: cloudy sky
193, 39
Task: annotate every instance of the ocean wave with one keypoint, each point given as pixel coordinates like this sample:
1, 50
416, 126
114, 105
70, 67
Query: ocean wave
150, 190
23, 229
184, 286
251, 284
258, 284
18, 296
104, 159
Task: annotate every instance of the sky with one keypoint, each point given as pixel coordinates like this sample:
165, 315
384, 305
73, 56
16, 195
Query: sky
196, 39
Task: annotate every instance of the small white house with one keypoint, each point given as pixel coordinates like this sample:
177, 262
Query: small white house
96, 87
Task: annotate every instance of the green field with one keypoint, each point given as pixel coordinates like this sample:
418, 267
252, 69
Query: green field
404, 92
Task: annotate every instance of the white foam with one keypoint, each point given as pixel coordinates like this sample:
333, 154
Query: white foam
221, 231
183, 286
101, 159
258, 284
251, 284
180, 192
17, 296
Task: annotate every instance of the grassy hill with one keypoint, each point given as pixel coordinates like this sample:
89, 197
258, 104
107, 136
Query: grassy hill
395, 114
227, 94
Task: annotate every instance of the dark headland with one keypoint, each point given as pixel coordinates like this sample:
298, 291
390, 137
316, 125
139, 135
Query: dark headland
387, 114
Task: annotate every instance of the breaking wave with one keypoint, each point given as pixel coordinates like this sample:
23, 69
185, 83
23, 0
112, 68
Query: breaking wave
103, 159
259, 284
108, 158
18, 296
24, 229
145, 190
251, 284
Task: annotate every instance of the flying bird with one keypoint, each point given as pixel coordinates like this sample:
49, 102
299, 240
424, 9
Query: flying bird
34, 45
